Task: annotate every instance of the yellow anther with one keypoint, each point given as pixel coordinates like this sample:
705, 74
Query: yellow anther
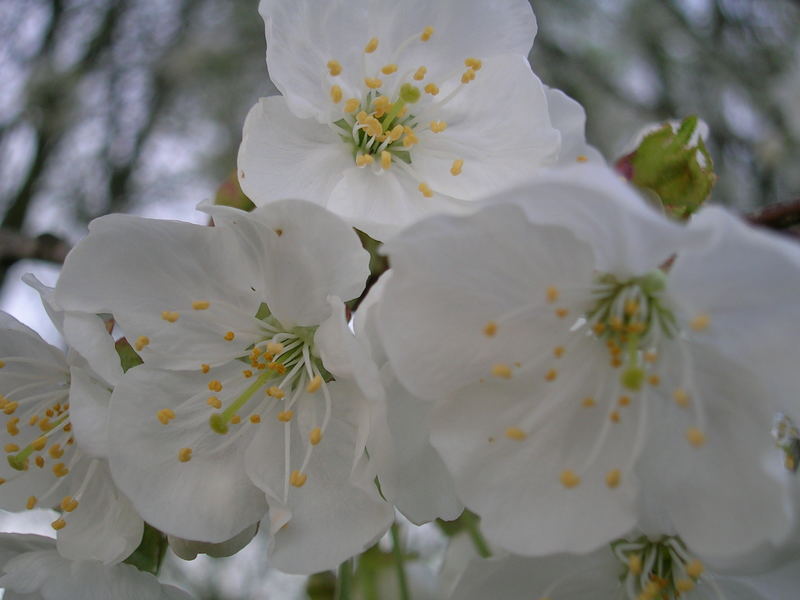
334, 67
650, 356
215, 385
695, 568
170, 316
45, 425
315, 437
372, 83
631, 307
185, 454
2, 364
582, 158
502, 371
616, 362
515, 433
700, 322
314, 384
285, 416
247, 373
490, 329
681, 397
389, 69
438, 126
684, 585
255, 418
654, 379
425, 190
141, 342
636, 327
11, 448
455, 168
371, 46
336, 94
382, 103
558, 351
431, 89
473, 63
411, 138
60, 470
361, 117
55, 451
274, 348
695, 437
39, 461
236, 419
165, 415
552, 294
635, 564
32, 420
2, 481
588, 402
599, 328
468, 76
229, 336
11, 426
569, 479
10, 408
395, 133
68, 504
58, 524
624, 400
351, 105
279, 368
561, 312
614, 416
362, 160
205, 368
298, 479
39, 443
215, 402
275, 392
616, 323
201, 304
419, 74
426, 33
386, 159
613, 478
551, 375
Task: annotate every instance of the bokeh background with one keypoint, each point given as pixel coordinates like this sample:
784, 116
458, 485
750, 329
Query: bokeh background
137, 106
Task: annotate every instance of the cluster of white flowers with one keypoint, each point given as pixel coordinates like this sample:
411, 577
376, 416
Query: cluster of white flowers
593, 380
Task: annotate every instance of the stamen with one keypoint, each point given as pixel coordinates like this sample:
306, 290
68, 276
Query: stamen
372, 83
502, 371
215, 402
275, 392
314, 384
201, 304
473, 63
515, 433
419, 74
351, 105
170, 316
695, 437
582, 158
285, 416
695, 568
60, 470
490, 329
371, 46
681, 397
438, 126
229, 336
205, 368
468, 76
431, 89
427, 33
141, 342
298, 479
315, 437
389, 69
334, 67
588, 402
635, 564
455, 169
386, 160
255, 418
362, 160
58, 524
569, 479
336, 94
31, 503
425, 189
68, 504
613, 478
165, 415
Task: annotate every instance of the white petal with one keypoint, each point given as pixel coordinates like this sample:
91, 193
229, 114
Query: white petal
87, 334
303, 253
501, 143
332, 518
628, 237
515, 485
104, 526
138, 268
88, 412
452, 276
569, 118
282, 156
209, 497
411, 472
748, 282
572, 577
721, 497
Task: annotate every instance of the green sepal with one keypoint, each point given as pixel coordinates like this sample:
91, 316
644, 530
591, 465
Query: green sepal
128, 358
230, 193
150, 553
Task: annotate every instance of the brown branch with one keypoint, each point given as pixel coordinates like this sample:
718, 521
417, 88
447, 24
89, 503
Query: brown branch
15, 246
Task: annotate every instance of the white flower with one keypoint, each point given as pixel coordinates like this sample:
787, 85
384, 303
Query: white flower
55, 440
411, 472
240, 327
392, 111
658, 568
571, 371
32, 569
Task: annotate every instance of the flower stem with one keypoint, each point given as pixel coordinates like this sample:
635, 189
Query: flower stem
399, 562
481, 546
344, 583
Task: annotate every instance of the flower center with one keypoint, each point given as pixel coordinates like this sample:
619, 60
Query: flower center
658, 570
377, 124
631, 317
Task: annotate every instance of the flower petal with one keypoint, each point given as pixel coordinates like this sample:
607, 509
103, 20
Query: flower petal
569, 118
88, 412
206, 498
282, 156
